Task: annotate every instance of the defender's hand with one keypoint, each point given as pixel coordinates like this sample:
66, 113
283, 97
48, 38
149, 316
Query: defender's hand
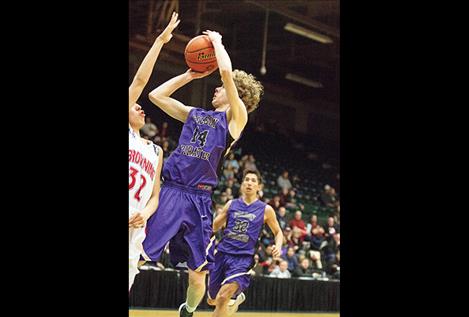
166, 35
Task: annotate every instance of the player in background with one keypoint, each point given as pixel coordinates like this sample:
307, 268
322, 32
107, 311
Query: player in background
242, 219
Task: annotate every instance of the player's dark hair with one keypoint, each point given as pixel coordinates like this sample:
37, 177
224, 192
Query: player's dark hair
255, 172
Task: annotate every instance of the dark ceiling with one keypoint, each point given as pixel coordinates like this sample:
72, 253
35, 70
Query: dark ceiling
242, 25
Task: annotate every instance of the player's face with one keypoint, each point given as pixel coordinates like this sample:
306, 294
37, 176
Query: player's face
219, 97
250, 184
137, 116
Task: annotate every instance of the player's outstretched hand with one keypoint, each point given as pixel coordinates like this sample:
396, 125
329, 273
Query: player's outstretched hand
166, 35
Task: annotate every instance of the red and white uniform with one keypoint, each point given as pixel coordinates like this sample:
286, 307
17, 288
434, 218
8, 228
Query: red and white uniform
143, 162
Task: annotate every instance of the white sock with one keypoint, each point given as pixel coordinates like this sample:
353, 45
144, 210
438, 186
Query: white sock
190, 309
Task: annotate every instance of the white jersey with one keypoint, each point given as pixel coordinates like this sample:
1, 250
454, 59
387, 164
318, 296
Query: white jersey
143, 162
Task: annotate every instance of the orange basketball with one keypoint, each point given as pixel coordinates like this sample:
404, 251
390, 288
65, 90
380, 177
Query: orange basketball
200, 54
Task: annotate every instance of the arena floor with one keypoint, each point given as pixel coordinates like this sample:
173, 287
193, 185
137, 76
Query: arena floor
174, 313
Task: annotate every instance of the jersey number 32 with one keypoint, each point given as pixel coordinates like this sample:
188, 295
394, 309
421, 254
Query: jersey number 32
133, 180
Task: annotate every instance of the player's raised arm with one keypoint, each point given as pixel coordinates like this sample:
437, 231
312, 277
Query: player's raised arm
160, 96
238, 109
144, 71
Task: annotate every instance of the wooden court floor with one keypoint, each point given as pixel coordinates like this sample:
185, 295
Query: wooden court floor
174, 313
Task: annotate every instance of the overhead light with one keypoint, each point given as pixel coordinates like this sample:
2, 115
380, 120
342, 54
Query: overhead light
304, 81
307, 33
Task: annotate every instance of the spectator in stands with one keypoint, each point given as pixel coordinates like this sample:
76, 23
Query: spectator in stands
281, 271
303, 270
281, 217
265, 258
267, 237
228, 172
275, 202
332, 234
223, 198
164, 130
316, 234
166, 149
301, 256
293, 238
298, 223
332, 229
315, 257
334, 268
335, 198
292, 259
260, 193
288, 234
328, 196
295, 180
243, 161
284, 196
231, 183
229, 193
313, 223
283, 181
298, 239
257, 269
231, 161
149, 128
157, 140
291, 200
332, 259
250, 163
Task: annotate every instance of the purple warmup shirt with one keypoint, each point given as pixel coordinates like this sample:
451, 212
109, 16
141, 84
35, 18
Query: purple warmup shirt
243, 226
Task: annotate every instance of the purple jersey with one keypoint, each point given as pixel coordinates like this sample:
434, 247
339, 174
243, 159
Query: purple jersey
203, 141
243, 226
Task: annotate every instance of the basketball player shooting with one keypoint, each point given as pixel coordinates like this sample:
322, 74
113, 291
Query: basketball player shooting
145, 158
190, 173
243, 219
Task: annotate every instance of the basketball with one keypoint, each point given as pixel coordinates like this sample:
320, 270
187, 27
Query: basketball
200, 54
